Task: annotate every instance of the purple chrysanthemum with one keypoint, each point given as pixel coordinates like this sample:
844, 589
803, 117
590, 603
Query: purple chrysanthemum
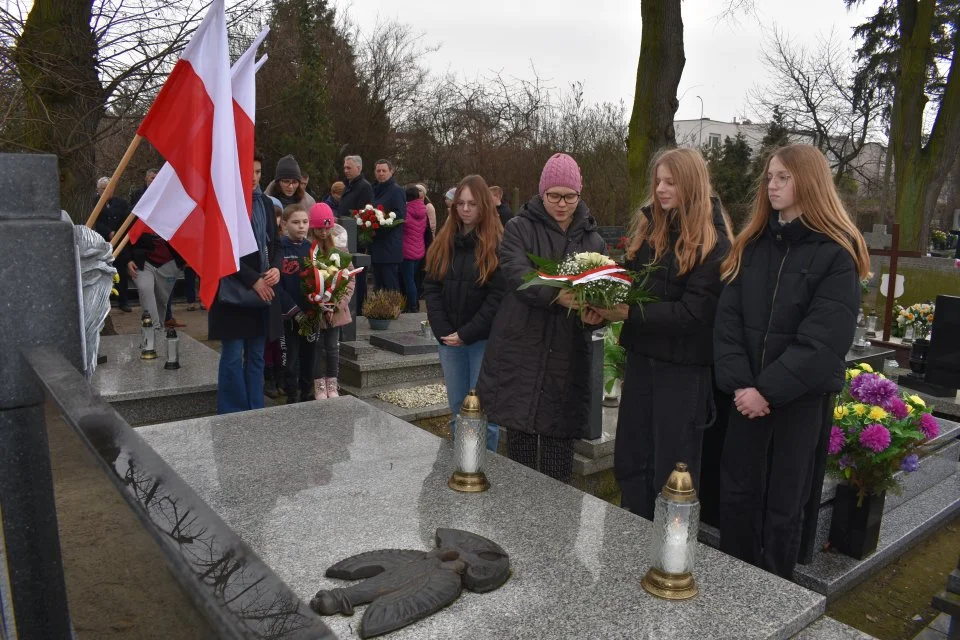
845, 462
910, 463
875, 437
870, 388
837, 440
897, 407
929, 426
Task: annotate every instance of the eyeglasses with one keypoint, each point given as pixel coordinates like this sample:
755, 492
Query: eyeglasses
555, 198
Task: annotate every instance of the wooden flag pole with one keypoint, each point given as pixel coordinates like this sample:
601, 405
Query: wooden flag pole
115, 240
108, 192
123, 243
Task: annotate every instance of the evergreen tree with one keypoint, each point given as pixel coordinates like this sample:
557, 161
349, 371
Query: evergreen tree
777, 135
293, 115
730, 170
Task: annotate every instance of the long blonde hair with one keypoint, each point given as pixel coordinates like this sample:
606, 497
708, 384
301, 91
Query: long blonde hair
815, 195
694, 212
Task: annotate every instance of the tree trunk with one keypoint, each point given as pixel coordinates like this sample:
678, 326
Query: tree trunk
655, 100
921, 169
886, 216
56, 61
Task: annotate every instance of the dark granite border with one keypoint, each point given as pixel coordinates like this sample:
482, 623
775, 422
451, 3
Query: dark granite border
239, 593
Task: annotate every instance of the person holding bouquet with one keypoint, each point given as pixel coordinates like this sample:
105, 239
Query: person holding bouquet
296, 349
682, 235
463, 289
326, 355
534, 380
784, 324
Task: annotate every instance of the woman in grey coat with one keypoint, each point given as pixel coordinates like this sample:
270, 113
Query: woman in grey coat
534, 377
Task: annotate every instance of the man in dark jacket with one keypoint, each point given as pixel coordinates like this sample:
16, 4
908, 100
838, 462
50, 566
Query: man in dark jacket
386, 250
115, 211
503, 209
243, 331
357, 194
138, 193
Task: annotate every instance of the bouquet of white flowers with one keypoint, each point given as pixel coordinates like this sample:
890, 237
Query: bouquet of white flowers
595, 279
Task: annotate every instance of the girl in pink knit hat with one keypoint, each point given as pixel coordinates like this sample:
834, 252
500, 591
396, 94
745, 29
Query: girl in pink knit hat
534, 380
326, 354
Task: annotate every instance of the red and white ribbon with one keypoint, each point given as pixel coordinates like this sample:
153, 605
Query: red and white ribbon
323, 288
612, 272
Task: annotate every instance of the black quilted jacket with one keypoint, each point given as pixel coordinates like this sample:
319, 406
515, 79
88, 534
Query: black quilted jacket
787, 320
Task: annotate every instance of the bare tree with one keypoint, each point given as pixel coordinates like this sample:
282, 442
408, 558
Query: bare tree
815, 90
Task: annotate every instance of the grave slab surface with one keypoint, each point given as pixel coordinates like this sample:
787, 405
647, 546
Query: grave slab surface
307, 485
143, 392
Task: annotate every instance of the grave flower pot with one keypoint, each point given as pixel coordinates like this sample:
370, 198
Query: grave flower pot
855, 530
379, 324
918, 355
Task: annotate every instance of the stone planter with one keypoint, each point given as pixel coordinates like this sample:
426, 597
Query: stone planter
379, 324
855, 530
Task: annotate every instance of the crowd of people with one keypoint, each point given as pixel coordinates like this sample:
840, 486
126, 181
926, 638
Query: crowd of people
765, 316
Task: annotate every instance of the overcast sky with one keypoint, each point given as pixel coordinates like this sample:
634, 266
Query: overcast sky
598, 42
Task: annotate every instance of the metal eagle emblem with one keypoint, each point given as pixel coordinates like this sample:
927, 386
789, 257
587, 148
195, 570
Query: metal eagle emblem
403, 586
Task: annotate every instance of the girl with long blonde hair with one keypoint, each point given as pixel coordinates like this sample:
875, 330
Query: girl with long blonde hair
785, 323
683, 234
463, 289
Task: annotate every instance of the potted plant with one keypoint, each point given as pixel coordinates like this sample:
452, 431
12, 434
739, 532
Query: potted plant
877, 431
382, 306
939, 239
614, 361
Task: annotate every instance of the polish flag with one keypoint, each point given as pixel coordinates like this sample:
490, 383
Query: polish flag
244, 86
197, 201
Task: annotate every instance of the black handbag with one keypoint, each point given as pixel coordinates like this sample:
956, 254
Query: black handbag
233, 291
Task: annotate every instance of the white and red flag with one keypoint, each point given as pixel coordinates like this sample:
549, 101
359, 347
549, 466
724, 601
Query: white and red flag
197, 201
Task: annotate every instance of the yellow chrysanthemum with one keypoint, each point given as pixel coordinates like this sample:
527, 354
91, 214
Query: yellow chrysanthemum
860, 409
116, 277
918, 400
866, 367
909, 410
877, 413
114, 292
853, 373
840, 412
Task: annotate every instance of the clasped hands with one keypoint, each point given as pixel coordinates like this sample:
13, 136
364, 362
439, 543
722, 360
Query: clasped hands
590, 314
751, 403
264, 285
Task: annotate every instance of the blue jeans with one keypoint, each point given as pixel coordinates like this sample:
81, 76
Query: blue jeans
461, 368
240, 380
408, 273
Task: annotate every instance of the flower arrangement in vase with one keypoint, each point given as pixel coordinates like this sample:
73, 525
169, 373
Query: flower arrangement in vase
877, 431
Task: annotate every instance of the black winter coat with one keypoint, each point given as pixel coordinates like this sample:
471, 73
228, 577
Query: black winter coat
387, 246
786, 322
457, 303
678, 327
357, 195
229, 322
115, 211
535, 372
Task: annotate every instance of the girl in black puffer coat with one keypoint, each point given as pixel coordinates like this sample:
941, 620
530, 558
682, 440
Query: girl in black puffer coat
534, 381
785, 323
667, 398
463, 289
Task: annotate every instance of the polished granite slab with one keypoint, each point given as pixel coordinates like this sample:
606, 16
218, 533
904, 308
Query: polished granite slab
309, 484
143, 392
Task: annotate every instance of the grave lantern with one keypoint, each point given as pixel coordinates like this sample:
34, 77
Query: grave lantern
148, 338
173, 350
676, 520
469, 447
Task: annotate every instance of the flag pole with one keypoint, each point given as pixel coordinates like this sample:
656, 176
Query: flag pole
108, 192
123, 229
120, 247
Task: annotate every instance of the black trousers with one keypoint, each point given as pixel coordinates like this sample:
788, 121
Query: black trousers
387, 276
766, 473
555, 454
296, 356
326, 354
664, 409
